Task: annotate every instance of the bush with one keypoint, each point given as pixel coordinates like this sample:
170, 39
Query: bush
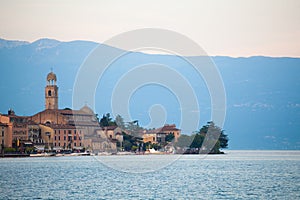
9, 150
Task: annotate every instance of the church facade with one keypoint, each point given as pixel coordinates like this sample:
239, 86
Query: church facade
58, 129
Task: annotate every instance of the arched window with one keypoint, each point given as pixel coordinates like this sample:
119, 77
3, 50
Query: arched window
49, 93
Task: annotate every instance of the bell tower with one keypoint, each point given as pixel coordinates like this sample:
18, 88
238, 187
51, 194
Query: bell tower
51, 92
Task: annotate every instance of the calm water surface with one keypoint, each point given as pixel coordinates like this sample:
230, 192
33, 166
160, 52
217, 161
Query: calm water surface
235, 175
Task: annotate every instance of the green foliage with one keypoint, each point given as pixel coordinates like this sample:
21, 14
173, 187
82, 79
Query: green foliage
223, 139
127, 145
197, 142
209, 137
9, 150
130, 143
134, 148
170, 137
156, 146
120, 122
106, 120
29, 149
133, 128
184, 141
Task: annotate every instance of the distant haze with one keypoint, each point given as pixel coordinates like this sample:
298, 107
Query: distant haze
233, 27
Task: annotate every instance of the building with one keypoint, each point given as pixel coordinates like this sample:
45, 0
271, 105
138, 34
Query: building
170, 129
5, 132
159, 135
55, 128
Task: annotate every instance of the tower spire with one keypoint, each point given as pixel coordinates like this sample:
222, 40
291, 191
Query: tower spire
51, 92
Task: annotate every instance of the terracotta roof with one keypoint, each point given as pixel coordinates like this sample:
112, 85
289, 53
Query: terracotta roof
171, 127
60, 126
165, 128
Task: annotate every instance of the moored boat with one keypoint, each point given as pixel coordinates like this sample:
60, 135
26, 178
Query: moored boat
45, 154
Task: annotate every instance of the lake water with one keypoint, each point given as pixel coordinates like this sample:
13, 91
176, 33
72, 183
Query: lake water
235, 175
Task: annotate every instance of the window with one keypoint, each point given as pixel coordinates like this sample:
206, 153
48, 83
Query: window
75, 137
55, 144
59, 144
64, 131
74, 144
64, 137
58, 137
59, 131
54, 131
80, 144
55, 138
49, 93
2, 133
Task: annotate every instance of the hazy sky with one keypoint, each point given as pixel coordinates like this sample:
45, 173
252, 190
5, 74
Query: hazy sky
231, 27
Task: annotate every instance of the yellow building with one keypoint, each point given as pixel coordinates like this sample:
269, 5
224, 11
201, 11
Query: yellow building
5, 132
149, 137
159, 135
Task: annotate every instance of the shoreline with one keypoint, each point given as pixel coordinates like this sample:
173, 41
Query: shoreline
225, 152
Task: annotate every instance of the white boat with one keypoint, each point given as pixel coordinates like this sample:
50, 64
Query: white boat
45, 154
86, 153
153, 151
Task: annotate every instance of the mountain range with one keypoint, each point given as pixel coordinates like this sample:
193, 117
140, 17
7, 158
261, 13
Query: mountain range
263, 99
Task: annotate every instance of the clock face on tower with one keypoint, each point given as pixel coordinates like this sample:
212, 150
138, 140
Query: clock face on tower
51, 92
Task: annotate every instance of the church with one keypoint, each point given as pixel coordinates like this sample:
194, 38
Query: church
58, 129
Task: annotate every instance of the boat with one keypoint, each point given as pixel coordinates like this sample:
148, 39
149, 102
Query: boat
86, 153
45, 154
153, 151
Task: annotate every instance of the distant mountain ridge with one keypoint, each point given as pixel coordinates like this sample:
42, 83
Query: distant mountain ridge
263, 105
11, 43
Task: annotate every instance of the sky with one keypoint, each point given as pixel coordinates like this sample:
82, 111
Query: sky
230, 28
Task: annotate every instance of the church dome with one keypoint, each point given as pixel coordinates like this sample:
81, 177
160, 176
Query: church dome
51, 77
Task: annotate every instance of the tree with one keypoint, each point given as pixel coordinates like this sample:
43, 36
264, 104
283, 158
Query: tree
209, 139
170, 137
131, 143
106, 120
120, 122
134, 129
197, 141
127, 145
214, 137
223, 139
184, 141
